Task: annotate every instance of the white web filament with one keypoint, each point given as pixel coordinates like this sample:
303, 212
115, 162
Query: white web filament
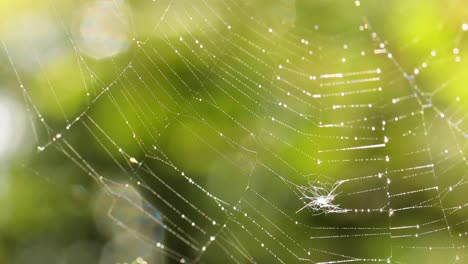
320, 197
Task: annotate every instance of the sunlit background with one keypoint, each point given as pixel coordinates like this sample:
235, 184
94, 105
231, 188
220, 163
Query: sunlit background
167, 131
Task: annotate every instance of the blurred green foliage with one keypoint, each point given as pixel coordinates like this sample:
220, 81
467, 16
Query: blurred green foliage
145, 100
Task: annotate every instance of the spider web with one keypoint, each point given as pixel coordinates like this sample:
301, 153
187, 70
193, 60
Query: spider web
249, 133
